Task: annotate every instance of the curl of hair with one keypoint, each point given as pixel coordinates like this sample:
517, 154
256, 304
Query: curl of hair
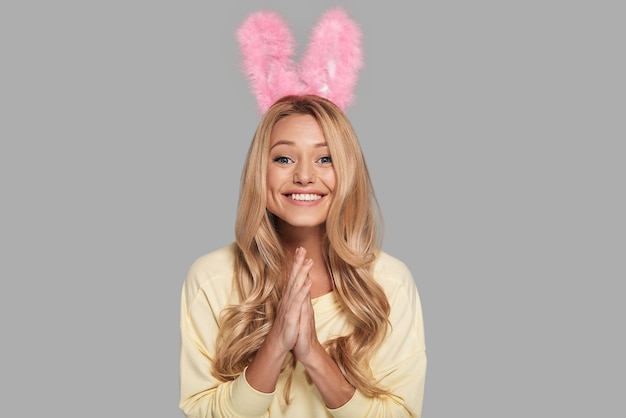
351, 245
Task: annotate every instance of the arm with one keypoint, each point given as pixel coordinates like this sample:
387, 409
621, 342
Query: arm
206, 291
400, 362
324, 372
264, 370
202, 395
203, 299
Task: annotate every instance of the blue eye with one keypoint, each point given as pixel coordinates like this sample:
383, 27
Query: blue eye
326, 160
282, 160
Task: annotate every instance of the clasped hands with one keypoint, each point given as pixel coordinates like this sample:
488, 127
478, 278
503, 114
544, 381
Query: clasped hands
294, 325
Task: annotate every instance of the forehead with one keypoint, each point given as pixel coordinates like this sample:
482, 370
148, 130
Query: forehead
296, 129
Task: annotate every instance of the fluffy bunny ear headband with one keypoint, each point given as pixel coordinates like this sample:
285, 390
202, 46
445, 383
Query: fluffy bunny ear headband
329, 67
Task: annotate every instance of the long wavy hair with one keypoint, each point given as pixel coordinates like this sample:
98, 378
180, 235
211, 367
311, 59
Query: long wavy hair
351, 244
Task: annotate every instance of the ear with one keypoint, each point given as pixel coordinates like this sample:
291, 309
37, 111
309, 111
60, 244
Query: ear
267, 47
333, 59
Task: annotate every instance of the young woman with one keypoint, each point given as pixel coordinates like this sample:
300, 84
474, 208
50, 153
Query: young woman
304, 315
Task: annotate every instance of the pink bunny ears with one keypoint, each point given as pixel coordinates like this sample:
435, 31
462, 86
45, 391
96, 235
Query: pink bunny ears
329, 67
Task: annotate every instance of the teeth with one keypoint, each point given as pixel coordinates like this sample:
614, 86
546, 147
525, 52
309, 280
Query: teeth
305, 196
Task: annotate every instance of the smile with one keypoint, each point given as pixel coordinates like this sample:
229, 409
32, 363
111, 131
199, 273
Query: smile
307, 197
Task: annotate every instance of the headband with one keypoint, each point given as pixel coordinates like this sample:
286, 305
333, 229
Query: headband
329, 67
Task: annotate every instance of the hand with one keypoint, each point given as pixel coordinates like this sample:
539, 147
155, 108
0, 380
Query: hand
307, 342
287, 324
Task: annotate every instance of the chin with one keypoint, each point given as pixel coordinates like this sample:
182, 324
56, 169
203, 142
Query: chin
303, 222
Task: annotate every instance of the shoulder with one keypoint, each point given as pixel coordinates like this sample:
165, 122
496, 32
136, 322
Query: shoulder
212, 271
215, 262
397, 281
406, 309
392, 272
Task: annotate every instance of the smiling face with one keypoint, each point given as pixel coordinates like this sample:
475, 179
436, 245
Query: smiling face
300, 174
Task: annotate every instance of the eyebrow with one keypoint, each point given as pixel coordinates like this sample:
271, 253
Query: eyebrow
291, 143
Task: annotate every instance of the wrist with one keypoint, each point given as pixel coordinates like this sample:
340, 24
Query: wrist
274, 345
315, 359
272, 352
262, 373
327, 377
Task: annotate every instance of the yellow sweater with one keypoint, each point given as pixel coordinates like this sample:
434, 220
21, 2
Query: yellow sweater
399, 363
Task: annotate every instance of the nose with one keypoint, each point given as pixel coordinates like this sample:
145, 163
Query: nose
304, 173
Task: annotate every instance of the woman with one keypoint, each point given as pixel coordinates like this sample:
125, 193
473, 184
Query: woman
304, 315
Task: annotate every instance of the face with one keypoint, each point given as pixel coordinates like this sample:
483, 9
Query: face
300, 174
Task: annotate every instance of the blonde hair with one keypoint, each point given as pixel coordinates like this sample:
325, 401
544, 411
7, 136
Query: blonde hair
350, 247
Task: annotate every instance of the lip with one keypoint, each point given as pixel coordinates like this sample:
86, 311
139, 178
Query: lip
304, 191
287, 196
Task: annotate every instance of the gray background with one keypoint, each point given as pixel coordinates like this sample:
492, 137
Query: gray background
494, 134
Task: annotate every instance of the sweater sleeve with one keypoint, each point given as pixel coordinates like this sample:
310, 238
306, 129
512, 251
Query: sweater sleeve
400, 362
201, 394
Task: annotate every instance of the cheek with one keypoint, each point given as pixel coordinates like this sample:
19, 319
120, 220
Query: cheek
270, 194
270, 179
274, 181
330, 180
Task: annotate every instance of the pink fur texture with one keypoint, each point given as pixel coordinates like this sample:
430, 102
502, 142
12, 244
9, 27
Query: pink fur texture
267, 47
329, 67
333, 59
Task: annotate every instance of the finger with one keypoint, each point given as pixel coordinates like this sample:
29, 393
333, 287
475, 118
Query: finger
302, 293
298, 289
306, 312
303, 275
298, 260
300, 266
304, 321
306, 329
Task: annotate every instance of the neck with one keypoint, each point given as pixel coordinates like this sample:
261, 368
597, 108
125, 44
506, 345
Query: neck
311, 239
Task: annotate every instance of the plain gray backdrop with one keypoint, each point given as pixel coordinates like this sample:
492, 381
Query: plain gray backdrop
494, 134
